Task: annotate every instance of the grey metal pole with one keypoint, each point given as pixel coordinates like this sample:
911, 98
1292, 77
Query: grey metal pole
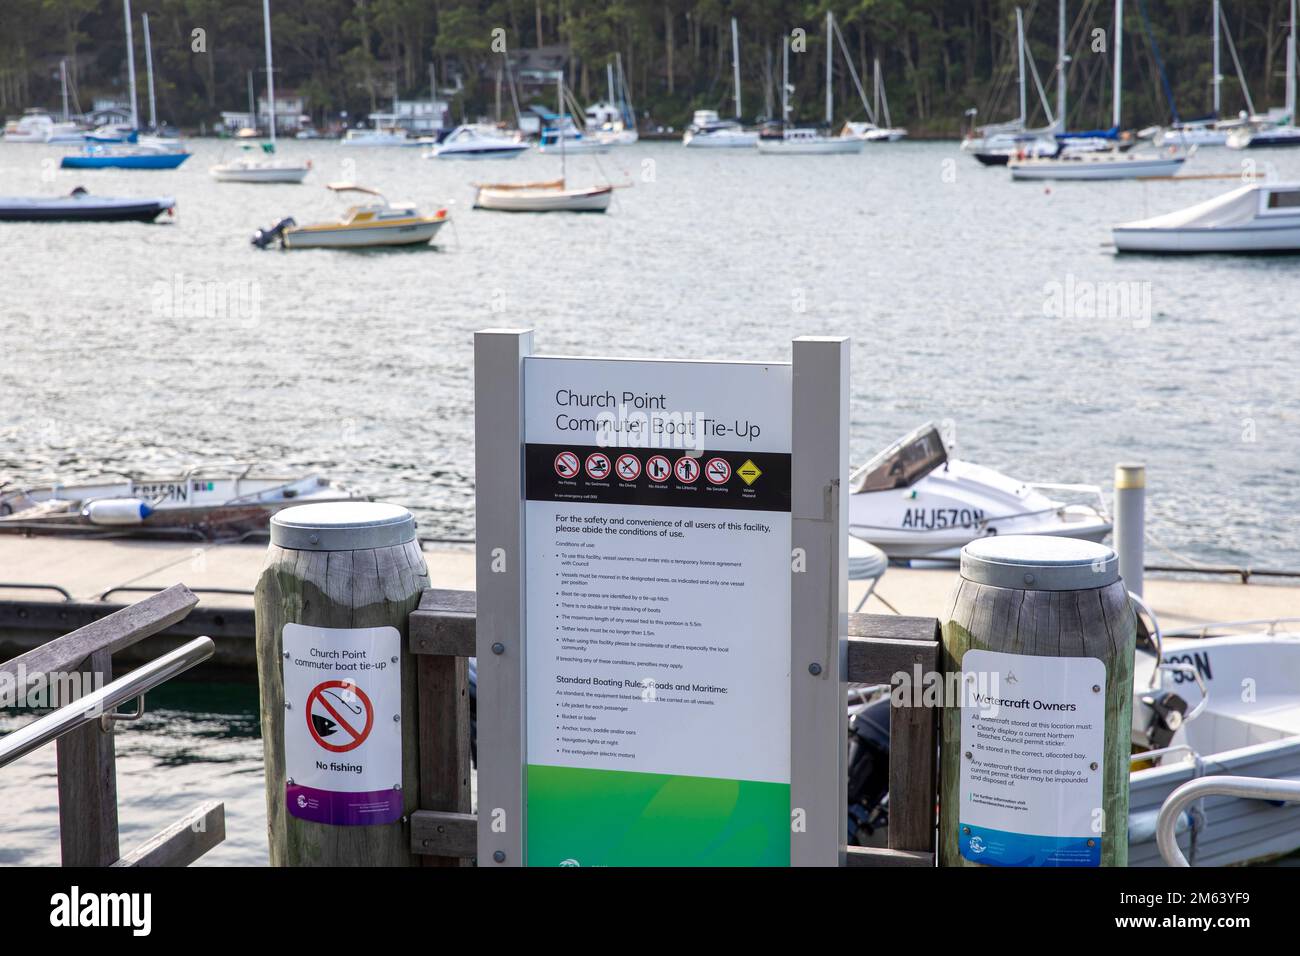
499, 574
1130, 523
818, 599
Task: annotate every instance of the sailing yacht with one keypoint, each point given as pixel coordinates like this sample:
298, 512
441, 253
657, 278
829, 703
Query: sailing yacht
807, 140
995, 144
614, 121
1211, 130
869, 132
1114, 163
250, 169
1285, 132
708, 130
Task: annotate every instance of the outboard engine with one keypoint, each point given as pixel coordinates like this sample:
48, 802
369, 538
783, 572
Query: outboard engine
264, 237
1166, 710
868, 770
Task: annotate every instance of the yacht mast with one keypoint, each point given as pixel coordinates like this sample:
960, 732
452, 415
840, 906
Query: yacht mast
830, 50
1116, 97
270, 73
735, 63
148, 66
1218, 77
1062, 60
1290, 69
1020, 47
63, 80
130, 65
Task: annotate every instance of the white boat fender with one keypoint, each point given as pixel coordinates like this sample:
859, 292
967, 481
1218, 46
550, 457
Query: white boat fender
1142, 825
117, 511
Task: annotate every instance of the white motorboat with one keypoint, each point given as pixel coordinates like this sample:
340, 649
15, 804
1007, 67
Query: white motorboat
1220, 699
380, 136
915, 502
367, 225
708, 131
211, 500
1108, 165
478, 141
869, 131
542, 197
248, 169
37, 126
806, 141
567, 138
1260, 218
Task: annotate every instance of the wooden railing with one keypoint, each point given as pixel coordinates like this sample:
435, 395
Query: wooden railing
86, 753
445, 833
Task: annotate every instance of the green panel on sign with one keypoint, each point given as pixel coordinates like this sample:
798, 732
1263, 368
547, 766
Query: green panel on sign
579, 817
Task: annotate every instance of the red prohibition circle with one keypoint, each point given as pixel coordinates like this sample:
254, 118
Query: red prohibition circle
685, 463
562, 466
665, 467
631, 460
726, 471
358, 737
597, 456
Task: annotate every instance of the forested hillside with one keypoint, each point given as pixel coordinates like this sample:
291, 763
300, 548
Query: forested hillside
939, 57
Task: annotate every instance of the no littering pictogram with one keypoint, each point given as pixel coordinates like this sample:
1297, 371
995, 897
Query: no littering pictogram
340, 710
628, 467
658, 468
687, 469
718, 471
598, 465
566, 464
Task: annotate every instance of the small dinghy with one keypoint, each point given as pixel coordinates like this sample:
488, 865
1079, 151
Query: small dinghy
913, 501
81, 206
1249, 219
365, 226
247, 169
1215, 699
552, 196
209, 502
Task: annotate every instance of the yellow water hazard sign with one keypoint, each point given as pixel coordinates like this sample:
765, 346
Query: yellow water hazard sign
749, 472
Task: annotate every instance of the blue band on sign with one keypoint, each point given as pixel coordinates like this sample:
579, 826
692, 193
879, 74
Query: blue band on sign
1000, 848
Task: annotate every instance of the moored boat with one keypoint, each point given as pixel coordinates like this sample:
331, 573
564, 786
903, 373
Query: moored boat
138, 156
477, 141
1260, 218
553, 196
1108, 165
708, 131
363, 226
81, 206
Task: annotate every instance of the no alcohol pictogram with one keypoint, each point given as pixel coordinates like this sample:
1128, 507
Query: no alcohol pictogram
658, 468
687, 469
566, 464
628, 467
598, 465
718, 471
339, 715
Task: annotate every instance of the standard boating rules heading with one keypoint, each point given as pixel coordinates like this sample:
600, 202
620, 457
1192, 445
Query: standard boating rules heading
657, 530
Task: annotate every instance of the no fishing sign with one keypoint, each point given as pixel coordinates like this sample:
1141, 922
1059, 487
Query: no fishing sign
342, 729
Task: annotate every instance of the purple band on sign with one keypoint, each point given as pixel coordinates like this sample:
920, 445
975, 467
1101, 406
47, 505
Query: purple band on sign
343, 809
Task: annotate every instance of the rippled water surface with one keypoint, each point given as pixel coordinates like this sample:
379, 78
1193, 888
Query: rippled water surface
358, 364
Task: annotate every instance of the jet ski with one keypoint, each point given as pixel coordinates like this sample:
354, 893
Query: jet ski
915, 502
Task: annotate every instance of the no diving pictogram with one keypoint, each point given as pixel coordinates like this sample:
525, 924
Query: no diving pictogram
339, 709
628, 467
658, 468
598, 465
718, 471
566, 464
687, 469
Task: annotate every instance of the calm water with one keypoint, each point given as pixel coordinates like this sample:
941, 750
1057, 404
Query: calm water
359, 364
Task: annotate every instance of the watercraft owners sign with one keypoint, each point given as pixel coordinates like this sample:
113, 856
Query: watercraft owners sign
657, 606
342, 736
1032, 756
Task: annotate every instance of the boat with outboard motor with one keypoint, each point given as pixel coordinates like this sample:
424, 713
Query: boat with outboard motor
1257, 218
80, 206
367, 225
209, 501
915, 502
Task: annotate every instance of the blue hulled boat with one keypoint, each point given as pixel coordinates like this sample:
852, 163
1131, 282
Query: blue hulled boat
140, 156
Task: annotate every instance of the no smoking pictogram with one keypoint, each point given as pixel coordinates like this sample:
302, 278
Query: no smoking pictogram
658, 468
598, 465
687, 469
566, 464
341, 710
718, 471
628, 467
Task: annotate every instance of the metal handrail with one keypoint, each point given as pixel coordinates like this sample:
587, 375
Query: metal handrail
103, 701
1250, 788
11, 586
152, 589
1270, 625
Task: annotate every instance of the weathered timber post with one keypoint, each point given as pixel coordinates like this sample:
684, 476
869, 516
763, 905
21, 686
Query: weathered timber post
1038, 644
337, 681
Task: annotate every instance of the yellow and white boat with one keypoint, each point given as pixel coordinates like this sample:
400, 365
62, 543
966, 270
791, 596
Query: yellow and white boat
366, 225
